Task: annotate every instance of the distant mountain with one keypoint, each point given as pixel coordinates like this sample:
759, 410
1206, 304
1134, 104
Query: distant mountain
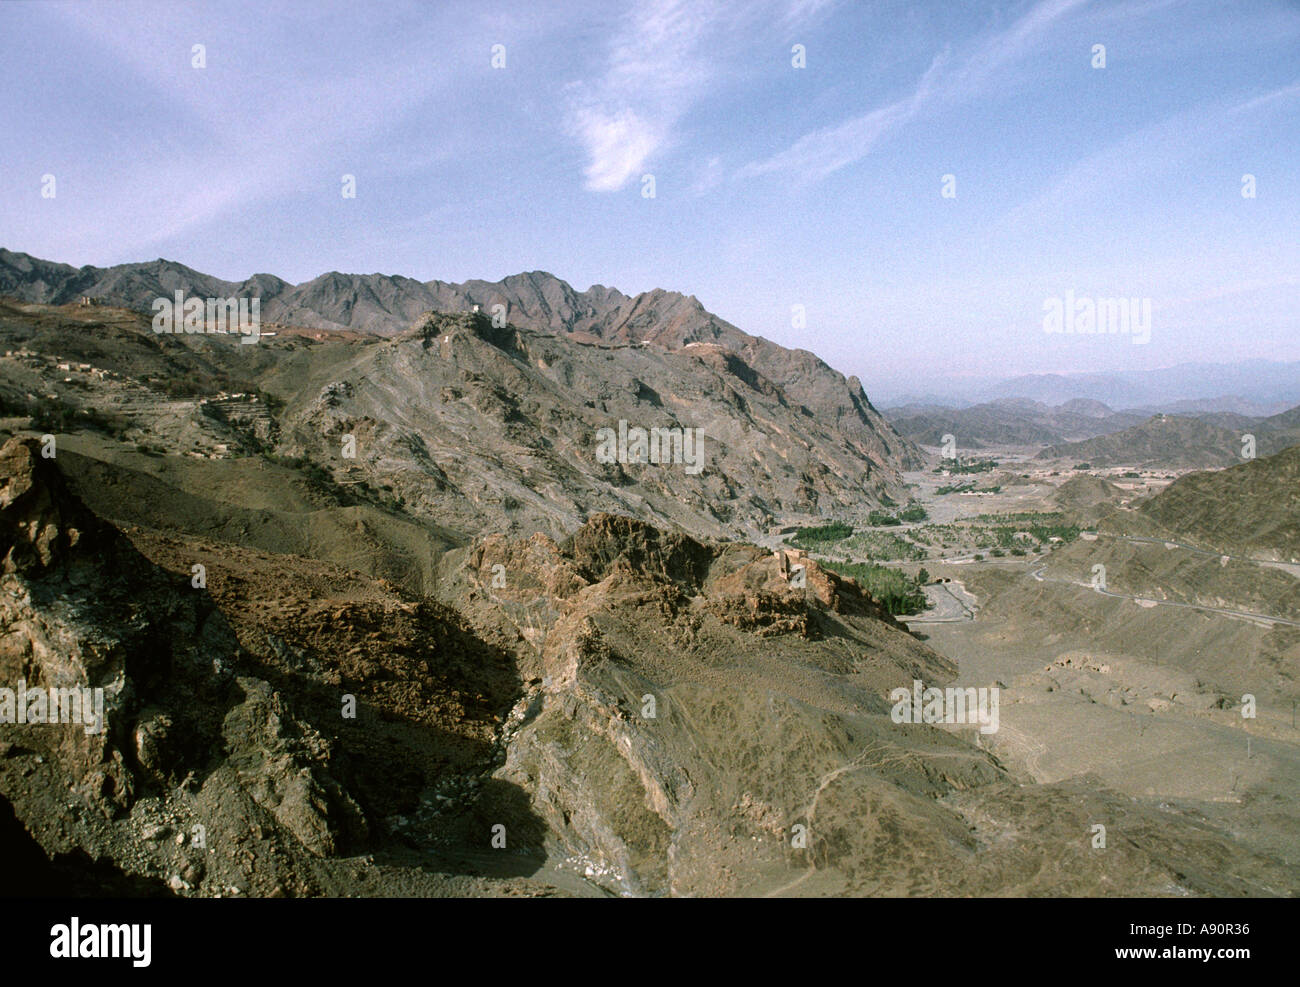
1086, 491
1162, 441
470, 426
387, 305
1180, 442
1254, 507
1280, 431
1228, 404
1067, 430
1008, 421
1113, 390
1253, 387
1283, 421
1186, 387
1086, 408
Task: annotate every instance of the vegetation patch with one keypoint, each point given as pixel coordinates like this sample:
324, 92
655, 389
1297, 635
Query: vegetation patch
818, 537
898, 592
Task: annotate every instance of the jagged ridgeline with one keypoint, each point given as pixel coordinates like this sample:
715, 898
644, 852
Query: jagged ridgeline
482, 405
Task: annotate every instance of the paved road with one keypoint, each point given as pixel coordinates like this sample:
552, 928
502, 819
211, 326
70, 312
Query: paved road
953, 604
1268, 618
950, 604
1190, 548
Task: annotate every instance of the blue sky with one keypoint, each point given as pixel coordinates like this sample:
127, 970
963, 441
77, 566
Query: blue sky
774, 185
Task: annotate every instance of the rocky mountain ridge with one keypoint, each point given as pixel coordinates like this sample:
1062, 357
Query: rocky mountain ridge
388, 305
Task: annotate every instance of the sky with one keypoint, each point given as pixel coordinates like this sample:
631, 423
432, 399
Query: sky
800, 151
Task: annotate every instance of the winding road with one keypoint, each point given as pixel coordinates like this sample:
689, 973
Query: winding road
950, 603
1146, 600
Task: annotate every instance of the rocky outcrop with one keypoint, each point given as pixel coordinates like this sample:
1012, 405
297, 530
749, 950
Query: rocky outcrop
479, 427
668, 669
82, 611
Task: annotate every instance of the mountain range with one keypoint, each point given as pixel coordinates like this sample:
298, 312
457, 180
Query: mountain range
1176, 441
1251, 387
1008, 421
385, 305
465, 424
1092, 431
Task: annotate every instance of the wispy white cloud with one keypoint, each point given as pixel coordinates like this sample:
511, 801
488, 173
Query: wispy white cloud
818, 154
627, 114
799, 13
709, 174
1137, 156
949, 80
256, 126
618, 140
660, 61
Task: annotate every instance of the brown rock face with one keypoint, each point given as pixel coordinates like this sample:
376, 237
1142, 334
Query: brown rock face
481, 423
653, 701
84, 614
40, 522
